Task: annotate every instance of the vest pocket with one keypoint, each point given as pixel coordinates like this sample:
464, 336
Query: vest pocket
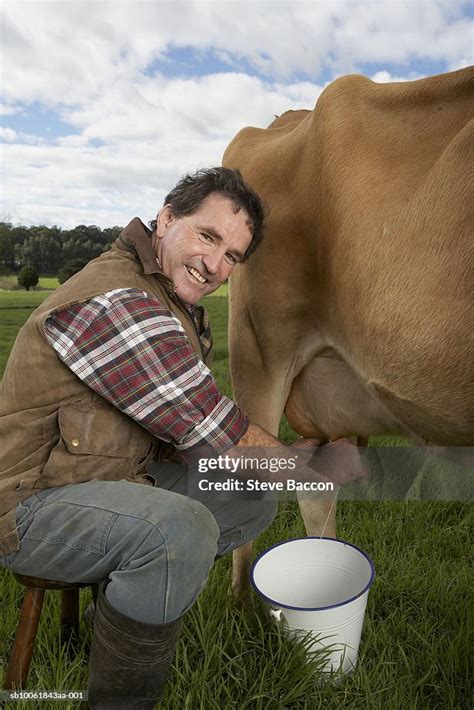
102, 430
95, 441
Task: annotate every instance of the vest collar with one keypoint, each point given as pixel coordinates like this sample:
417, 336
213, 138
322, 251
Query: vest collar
136, 238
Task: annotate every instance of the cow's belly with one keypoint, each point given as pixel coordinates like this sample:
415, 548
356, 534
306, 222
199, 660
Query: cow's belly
329, 400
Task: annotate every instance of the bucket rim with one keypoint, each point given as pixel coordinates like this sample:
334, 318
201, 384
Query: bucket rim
312, 608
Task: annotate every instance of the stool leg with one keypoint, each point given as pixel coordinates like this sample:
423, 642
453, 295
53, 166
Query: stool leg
70, 618
20, 658
95, 593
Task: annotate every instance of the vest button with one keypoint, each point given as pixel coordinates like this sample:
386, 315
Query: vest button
74, 442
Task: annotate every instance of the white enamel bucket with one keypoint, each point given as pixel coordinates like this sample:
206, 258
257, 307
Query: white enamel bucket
318, 586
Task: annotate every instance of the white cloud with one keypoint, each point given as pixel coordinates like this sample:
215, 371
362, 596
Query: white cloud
176, 127
204, 108
7, 134
138, 130
78, 50
383, 77
6, 110
461, 63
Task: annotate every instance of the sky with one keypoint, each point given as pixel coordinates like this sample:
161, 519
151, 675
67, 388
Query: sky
104, 106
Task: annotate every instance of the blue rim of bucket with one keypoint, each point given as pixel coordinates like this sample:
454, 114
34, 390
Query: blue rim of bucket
313, 608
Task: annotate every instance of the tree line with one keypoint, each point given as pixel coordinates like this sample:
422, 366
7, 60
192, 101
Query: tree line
51, 250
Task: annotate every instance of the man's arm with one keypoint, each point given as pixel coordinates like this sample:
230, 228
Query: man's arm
339, 461
133, 352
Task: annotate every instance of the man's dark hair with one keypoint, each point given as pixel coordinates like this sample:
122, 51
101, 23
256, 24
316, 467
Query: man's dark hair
187, 196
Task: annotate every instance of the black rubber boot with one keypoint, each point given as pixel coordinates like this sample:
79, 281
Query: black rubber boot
129, 661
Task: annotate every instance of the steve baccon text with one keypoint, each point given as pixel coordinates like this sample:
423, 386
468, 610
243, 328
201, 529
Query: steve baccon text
255, 484
243, 467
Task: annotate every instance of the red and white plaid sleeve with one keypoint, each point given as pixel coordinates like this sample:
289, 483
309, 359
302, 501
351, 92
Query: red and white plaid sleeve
132, 351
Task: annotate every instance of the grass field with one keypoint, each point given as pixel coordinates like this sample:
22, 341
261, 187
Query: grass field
417, 635
44, 283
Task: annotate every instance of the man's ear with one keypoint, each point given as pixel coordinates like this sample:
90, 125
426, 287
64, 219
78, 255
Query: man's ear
163, 220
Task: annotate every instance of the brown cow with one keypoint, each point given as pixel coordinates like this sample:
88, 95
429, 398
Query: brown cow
355, 315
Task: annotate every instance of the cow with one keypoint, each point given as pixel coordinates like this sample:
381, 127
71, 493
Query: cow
354, 317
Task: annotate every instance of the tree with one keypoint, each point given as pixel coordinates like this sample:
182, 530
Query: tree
27, 277
69, 269
47, 248
7, 248
42, 249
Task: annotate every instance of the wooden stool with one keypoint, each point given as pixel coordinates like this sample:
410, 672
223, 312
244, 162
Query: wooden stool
20, 658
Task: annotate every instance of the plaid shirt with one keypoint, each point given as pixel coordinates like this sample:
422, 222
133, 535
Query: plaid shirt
132, 351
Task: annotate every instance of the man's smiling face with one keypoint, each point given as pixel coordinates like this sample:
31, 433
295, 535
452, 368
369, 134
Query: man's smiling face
198, 251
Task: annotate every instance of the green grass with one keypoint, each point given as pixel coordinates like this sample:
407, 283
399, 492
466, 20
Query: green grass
412, 654
10, 281
16, 305
15, 309
222, 291
417, 636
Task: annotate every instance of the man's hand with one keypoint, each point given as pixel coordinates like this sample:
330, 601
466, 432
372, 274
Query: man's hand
338, 461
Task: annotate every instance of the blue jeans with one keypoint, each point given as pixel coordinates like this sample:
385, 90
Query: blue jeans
155, 545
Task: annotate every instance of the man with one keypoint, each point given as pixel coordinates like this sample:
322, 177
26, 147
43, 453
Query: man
107, 377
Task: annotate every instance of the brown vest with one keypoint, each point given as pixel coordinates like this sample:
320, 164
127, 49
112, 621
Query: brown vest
54, 430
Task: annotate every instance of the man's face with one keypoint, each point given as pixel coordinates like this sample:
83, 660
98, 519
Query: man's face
199, 251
